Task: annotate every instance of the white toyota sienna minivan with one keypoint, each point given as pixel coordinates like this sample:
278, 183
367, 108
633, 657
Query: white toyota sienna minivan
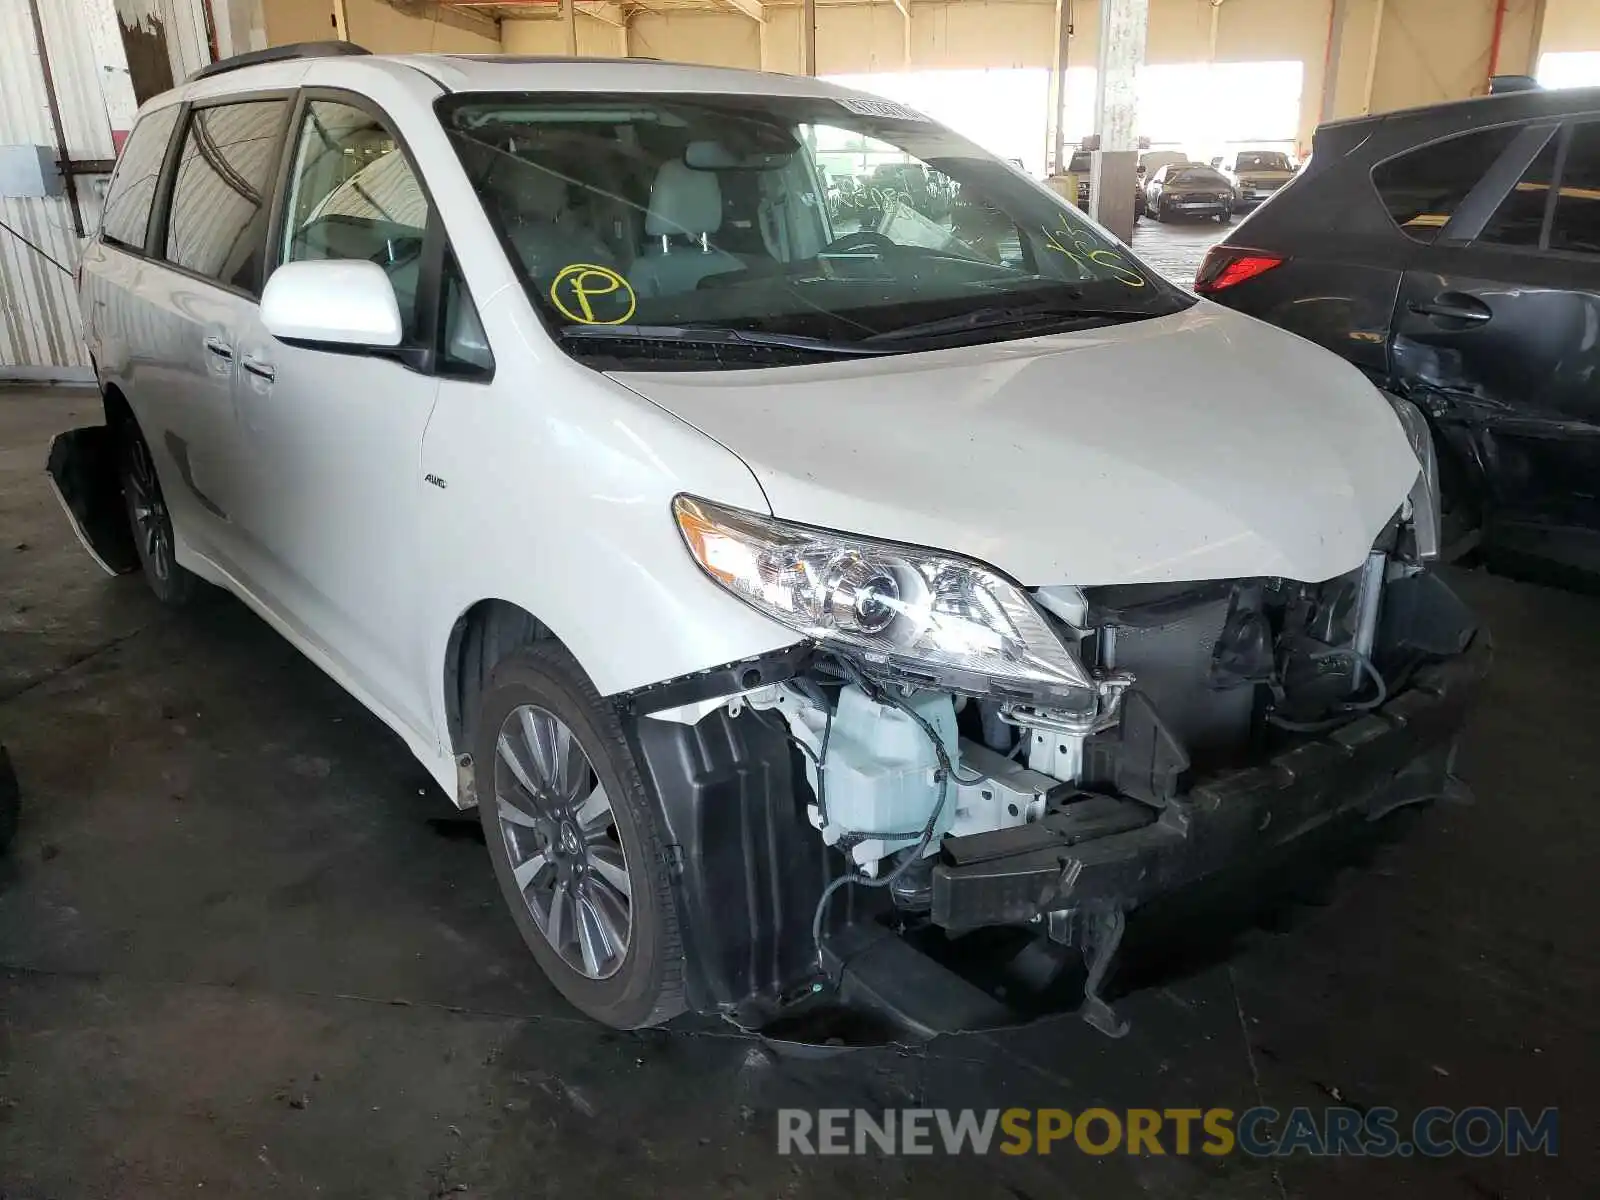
824, 558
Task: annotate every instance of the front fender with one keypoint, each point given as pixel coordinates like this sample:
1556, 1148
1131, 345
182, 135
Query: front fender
559, 500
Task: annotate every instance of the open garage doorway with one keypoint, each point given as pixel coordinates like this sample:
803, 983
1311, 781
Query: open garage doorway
1204, 110
1577, 68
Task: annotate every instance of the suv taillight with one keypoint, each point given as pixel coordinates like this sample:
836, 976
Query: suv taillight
1225, 266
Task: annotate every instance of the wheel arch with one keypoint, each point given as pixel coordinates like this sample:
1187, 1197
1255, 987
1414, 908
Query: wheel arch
480, 637
117, 409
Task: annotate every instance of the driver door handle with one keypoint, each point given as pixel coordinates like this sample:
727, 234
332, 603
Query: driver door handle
1453, 306
258, 367
220, 348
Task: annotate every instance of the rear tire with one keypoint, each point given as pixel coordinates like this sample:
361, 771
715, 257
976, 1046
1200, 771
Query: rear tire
547, 750
151, 522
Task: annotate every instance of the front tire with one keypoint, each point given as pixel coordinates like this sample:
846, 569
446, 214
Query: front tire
576, 845
151, 521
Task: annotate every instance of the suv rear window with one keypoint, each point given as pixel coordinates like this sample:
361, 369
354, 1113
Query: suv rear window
1422, 188
1519, 221
127, 210
223, 191
1576, 227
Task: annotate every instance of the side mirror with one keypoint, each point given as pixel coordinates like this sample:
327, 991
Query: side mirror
335, 302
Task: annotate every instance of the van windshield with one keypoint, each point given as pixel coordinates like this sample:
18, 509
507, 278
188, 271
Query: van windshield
713, 230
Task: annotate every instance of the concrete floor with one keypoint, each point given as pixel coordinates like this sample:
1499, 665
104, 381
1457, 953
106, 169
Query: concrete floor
244, 952
1175, 248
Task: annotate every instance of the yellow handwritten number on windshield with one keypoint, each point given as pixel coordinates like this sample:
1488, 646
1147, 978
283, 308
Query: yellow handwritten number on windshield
579, 285
1081, 255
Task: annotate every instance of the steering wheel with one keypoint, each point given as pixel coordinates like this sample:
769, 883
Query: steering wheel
862, 239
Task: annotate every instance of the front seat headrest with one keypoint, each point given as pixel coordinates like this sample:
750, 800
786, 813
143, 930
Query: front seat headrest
683, 201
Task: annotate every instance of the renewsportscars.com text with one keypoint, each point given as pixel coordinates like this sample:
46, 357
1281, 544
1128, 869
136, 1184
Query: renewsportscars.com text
1259, 1132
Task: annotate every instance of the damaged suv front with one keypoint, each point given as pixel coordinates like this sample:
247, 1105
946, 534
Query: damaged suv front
977, 754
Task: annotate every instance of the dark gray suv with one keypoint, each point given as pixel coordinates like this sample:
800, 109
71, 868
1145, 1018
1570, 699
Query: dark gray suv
1453, 253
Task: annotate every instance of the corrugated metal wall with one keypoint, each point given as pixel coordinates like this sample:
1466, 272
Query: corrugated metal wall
39, 325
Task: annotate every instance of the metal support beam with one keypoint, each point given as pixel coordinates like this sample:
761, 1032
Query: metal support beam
1338, 11
808, 37
1372, 58
750, 8
1057, 123
1216, 15
55, 116
569, 10
1535, 37
1124, 25
1496, 38
905, 27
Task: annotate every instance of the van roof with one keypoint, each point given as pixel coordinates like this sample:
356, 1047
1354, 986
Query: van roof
280, 65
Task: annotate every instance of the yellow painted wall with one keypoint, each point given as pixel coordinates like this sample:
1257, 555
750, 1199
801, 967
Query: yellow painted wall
1433, 50
715, 38
596, 39
298, 21
1571, 25
386, 30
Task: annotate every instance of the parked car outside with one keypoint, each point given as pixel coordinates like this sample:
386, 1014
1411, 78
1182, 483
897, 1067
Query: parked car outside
1189, 190
725, 561
1453, 253
1256, 175
1151, 161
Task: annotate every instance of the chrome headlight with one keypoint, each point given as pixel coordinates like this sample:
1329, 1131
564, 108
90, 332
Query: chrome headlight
1424, 498
939, 617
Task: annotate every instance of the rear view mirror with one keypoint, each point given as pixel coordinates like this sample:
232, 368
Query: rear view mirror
334, 302
717, 156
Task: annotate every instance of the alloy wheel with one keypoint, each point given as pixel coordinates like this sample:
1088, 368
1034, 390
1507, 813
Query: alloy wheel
561, 841
148, 509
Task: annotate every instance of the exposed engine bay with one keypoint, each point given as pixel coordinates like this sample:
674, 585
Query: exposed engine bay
958, 808
1185, 675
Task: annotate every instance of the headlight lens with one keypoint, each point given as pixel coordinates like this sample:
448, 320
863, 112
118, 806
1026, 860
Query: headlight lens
1425, 516
936, 615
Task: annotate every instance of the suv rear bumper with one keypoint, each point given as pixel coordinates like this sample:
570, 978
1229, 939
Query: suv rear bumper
1110, 852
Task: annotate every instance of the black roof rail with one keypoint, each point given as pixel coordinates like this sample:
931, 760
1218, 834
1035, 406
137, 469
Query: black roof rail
274, 54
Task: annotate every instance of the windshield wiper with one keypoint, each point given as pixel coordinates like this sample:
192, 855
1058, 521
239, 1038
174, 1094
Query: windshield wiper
714, 336
997, 316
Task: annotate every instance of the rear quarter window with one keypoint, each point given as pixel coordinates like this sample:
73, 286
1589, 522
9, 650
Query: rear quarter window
126, 216
1422, 188
1576, 226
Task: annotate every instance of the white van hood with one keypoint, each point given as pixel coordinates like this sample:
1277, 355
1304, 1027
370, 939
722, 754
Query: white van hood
1204, 445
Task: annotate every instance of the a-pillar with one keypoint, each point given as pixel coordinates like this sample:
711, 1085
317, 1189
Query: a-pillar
1113, 175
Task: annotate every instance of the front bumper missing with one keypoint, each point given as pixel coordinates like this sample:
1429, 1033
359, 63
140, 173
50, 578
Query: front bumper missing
748, 868
1103, 852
